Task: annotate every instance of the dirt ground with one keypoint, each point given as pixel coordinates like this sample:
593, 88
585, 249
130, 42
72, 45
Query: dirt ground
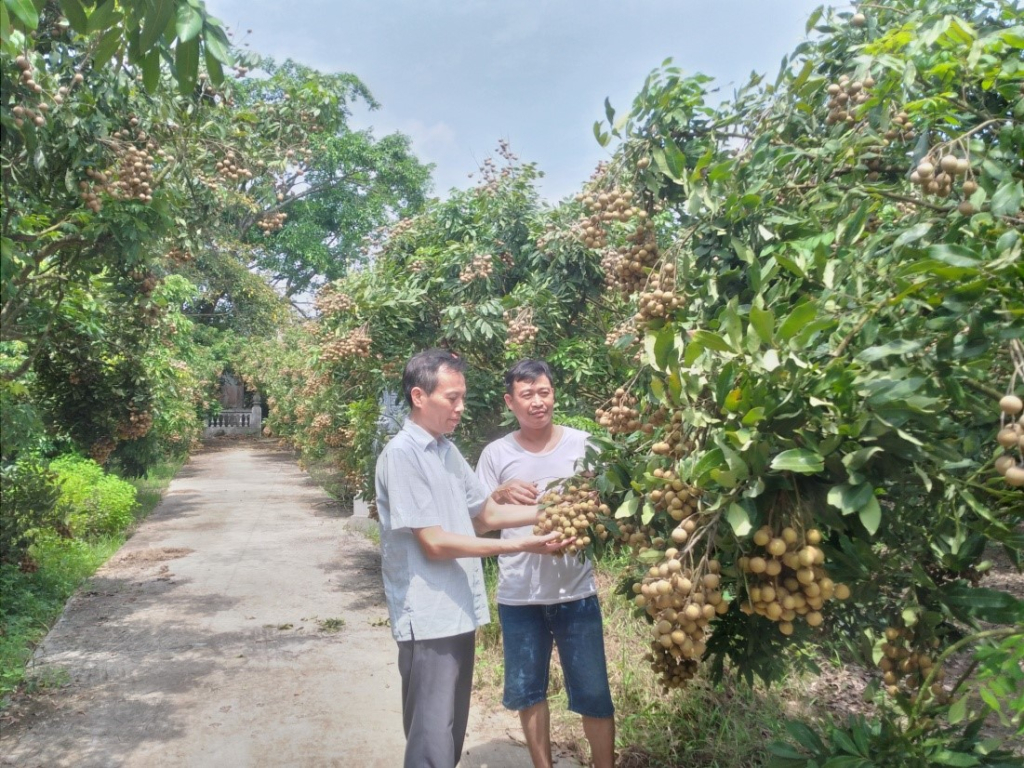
243, 624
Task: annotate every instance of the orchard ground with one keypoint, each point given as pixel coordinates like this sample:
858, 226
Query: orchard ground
243, 624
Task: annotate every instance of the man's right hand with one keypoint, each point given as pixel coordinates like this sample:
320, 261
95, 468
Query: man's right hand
548, 544
515, 492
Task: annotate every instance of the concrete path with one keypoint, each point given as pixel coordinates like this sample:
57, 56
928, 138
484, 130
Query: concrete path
243, 624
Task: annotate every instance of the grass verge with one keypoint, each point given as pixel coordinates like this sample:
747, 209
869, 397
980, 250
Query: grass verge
33, 601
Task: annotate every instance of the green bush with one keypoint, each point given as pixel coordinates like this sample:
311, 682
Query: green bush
28, 494
92, 502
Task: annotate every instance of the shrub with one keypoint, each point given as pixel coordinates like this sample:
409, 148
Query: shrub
92, 502
28, 495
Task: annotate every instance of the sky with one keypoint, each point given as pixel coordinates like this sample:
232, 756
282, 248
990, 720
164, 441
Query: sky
460, 75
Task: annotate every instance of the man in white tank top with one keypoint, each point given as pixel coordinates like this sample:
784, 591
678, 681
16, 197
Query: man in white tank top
546, 600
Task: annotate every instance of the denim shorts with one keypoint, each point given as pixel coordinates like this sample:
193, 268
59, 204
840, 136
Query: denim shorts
575, 627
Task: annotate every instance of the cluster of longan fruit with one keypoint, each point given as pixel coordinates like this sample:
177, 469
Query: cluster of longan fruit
640, 537
900, 128
138, 424
132, 175
320, 423
521, 329
616, 204
36, 116
100, 450
355, 344
682, 601
331, 301
480, 268
340, 437
844, 96
788, 579
660, 300
149, 313
905, 669
621, 331
622, 416
230, 168
674, 496
636, 257
271, 222
178, 256
572, 512
146, 282
674, 440
935, 175
1011, 437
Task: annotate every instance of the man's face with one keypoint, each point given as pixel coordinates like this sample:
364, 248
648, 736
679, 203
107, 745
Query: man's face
532, 402
440, 412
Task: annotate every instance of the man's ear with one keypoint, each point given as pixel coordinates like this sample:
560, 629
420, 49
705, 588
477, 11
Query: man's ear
416, 395
508, 400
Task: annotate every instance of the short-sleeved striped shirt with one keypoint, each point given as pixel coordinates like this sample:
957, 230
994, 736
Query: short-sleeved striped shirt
422, 481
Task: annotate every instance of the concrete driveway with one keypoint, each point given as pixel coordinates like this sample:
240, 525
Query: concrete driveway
243, 624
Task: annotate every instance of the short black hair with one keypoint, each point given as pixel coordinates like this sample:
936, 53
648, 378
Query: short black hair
422, 368
527, 370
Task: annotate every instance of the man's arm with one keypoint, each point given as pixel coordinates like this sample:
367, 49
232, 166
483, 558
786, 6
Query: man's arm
495, 516
439, 544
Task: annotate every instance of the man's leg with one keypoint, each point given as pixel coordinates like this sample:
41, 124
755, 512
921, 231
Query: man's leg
435, 698
579, 634
527, 645
536, 722
600, 732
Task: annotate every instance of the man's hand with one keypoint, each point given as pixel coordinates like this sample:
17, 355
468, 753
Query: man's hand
548, 544
515, 492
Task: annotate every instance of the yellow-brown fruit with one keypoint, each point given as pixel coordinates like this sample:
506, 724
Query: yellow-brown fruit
1011, 405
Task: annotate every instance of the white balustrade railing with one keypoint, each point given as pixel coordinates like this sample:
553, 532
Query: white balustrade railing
235, 422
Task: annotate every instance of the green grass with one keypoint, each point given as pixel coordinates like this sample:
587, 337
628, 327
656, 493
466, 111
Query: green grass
32, 602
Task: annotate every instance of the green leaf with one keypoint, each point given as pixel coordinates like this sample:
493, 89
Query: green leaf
897, 347
710, 340
25, 12
800, 460
647, 513
102, 16
845, 761
158, 15
797, 319
912, 235
753, 416
75, 14
602, 138
108, 45
982, 603
189, 22
805, 736
1007, 199
763, 321
850, 498
151, 70
186, 65
217, 43
958, 711
213, 67
959, 759
739, 519
628, 507
871, 515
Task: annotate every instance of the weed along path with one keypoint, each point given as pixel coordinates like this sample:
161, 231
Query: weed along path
243, 624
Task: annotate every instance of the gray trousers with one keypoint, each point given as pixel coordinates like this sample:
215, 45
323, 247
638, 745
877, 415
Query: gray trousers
437, 680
